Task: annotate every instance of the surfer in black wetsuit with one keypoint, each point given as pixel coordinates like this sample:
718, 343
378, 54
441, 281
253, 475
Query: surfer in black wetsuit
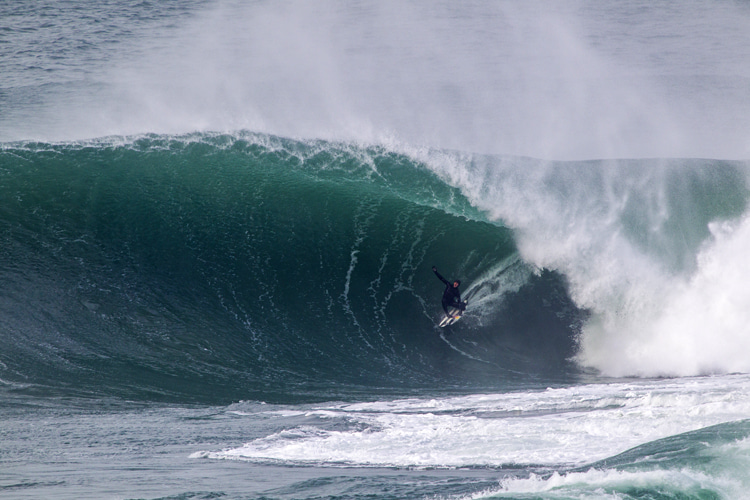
451, 295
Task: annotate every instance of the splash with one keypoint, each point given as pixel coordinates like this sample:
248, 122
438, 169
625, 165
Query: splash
655, 249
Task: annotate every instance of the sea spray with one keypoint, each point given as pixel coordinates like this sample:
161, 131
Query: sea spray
652, 248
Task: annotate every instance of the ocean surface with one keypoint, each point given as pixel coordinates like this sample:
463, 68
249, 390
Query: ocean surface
218, 222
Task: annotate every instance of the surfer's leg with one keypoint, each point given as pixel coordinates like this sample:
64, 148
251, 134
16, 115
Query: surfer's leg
445, 310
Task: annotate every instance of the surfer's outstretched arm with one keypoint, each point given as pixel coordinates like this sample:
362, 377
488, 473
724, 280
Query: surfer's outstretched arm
440, 277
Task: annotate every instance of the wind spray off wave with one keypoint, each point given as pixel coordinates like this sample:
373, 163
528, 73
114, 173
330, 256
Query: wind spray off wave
561, 81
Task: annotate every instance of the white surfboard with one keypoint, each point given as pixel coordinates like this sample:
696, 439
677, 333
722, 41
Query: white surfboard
455, 315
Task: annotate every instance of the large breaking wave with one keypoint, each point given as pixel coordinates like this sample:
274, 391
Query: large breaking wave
242, 266
248, 266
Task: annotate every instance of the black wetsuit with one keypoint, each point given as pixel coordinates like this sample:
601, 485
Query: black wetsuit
451, 295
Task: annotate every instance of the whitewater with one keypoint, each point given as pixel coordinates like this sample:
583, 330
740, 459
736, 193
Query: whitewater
219, 220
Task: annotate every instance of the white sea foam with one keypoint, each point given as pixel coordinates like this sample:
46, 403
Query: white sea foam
565, 426
702, 324
612, 484
722, 470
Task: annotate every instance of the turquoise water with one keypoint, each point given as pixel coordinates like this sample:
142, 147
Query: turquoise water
225, 264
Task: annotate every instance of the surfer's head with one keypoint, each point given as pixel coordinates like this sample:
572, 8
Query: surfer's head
456, 284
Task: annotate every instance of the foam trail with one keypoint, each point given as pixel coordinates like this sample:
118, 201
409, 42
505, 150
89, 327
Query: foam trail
486, 293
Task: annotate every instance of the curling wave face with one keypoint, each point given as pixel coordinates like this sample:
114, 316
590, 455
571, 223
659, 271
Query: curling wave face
245, 265
236, 266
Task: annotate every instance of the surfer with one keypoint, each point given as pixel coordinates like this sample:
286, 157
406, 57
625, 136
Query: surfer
451, 295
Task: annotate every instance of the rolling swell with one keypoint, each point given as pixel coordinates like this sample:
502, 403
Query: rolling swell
217, 267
